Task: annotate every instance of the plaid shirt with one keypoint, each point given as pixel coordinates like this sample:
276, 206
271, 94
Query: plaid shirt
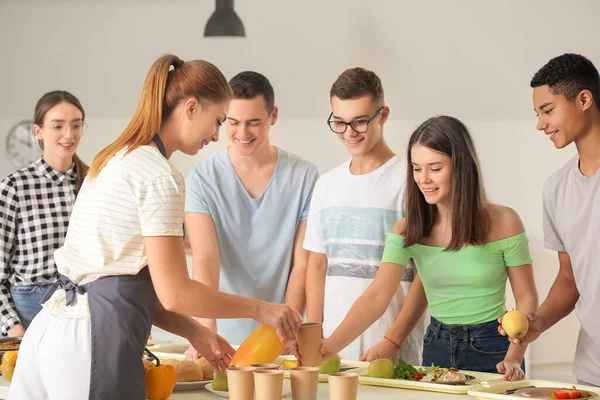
35, 205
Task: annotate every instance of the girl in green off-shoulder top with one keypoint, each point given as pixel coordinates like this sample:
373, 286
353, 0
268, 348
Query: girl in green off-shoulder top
464, 247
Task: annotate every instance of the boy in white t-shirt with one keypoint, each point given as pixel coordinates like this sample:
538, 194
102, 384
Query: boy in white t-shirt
353, 208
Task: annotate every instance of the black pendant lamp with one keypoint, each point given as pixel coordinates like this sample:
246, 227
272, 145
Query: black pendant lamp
224, 21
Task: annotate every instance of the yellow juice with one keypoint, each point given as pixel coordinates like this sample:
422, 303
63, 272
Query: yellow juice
262, 346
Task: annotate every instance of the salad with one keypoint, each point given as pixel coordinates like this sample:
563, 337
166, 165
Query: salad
408, 372
429, 374
444, 375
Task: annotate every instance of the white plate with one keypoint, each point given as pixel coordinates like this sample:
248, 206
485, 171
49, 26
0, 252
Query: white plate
181, 386
286, 390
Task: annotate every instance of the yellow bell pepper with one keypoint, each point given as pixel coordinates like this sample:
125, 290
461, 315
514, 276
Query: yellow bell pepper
9, 361
160, 380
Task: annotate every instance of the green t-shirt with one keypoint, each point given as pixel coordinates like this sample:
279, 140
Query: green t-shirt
465, 286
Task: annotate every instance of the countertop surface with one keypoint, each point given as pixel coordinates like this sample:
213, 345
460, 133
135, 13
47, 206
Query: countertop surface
364, 392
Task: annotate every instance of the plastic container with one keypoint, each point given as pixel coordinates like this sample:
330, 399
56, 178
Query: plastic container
262, 346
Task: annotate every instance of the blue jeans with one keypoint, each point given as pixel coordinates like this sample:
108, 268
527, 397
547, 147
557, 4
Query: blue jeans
27, 301
477, 347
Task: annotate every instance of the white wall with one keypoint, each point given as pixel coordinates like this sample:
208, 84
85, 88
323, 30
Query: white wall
468, 58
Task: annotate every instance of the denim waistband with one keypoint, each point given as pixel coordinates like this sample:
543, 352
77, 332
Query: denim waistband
467, 331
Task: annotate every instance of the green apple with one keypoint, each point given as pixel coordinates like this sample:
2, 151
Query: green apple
330, 366
382, 368
220, 382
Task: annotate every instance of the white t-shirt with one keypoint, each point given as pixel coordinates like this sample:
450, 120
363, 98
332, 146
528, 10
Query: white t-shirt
135, 195
349, 219
572, 225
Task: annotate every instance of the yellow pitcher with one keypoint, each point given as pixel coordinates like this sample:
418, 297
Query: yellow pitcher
262, 346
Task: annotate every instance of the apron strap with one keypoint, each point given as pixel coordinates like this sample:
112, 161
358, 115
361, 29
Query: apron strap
69, 287
161, 146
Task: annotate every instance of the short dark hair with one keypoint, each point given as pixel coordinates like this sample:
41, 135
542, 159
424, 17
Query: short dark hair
568, 75
250, 84
357, 82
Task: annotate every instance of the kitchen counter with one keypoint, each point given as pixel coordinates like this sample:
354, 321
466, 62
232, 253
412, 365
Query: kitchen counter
364, 393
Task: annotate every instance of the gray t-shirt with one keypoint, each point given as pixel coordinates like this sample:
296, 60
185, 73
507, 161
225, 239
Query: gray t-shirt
255, 236
572, 225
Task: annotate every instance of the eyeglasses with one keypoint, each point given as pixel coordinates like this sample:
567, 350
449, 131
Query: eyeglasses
358, 126
76, 128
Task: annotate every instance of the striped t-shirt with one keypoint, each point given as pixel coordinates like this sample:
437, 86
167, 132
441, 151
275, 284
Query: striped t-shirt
350, 217
135, 195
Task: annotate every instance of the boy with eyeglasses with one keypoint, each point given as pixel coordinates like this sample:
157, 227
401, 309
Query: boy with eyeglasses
353, 208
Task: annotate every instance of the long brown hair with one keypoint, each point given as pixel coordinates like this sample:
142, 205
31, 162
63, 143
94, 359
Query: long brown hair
47, 102
470, 220
163, 90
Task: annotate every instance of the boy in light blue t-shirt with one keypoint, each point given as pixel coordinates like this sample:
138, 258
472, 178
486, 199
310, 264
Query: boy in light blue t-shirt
246, 210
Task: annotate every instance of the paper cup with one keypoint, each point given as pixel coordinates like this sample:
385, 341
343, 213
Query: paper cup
308, 339
304, 383
343, 386
265, 366
241, 383
268, 384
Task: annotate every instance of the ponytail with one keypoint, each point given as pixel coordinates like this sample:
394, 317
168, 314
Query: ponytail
163, 90
147, 119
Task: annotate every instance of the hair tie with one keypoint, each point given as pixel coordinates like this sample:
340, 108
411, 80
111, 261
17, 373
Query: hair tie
177, 63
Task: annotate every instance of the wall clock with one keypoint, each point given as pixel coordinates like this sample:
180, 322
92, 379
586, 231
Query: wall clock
22, 147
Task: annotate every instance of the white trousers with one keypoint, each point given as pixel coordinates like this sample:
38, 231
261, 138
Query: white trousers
54, 360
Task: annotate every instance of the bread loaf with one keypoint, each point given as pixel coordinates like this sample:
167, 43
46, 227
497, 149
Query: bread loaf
206, 368
187, 371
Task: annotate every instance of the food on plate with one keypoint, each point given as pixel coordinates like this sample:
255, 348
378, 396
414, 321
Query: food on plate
186, 370
406, 371
515, 324
220, 382
289, 364
9, 360
207, 370
444, 375
331, 365
382, 368
570, 394
432, 374
160, 380
9, 345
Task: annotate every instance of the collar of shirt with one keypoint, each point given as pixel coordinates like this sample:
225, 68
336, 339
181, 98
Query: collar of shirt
53, 174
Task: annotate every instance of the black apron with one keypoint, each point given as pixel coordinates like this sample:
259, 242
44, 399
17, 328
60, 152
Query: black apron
121, 313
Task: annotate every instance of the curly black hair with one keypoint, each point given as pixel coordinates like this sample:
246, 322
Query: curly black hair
568, 75
250, 84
